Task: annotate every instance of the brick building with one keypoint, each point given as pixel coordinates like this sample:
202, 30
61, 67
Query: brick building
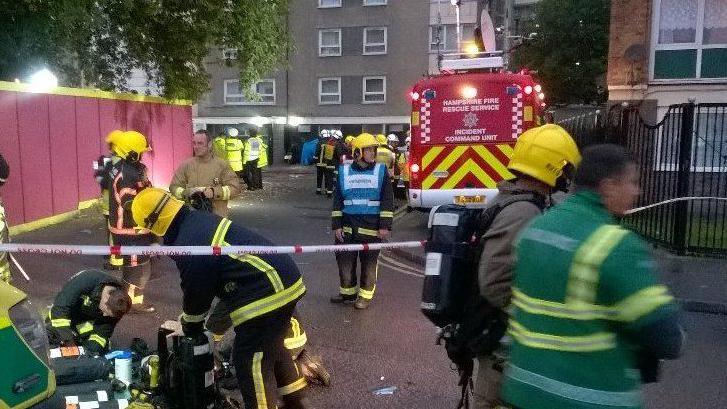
665, 52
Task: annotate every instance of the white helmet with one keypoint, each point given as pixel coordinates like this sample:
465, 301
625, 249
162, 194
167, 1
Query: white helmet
337, 133
407, 140
325, 133
392, 138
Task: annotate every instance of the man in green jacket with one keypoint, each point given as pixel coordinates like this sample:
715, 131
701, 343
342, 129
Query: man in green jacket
590, 320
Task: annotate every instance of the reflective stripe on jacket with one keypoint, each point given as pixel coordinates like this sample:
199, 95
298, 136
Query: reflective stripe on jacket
581, 284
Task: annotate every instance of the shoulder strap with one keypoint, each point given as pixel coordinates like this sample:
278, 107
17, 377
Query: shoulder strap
488, 215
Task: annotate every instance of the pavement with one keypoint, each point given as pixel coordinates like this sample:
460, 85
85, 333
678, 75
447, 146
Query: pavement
391, 344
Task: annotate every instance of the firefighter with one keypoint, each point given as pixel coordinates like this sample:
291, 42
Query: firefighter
591, 324
384, 155
543, 162
233, 153
260, 291
128, 177
363, 211
402, 164
319, 158
86, 311
4, 228
347, 158
204, 174
254, 159
101, 172
339, 151
329, 158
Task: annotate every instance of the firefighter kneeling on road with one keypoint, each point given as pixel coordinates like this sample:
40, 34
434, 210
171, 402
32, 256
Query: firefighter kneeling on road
363, 211
260, 291
86, 311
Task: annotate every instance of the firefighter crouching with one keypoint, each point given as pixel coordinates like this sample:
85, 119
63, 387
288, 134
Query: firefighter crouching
593, 316
86, 311
128, 177
363, 212
260, 291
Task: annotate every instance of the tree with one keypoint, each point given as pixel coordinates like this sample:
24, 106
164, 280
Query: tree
570, 49
98, 42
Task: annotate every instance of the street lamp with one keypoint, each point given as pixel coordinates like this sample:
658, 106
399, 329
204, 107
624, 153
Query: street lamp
43, 81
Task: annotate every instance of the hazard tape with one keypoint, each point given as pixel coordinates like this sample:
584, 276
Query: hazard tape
678, 199
63, 250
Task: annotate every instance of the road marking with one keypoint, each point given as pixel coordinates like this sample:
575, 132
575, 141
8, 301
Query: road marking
399, 267
399, 270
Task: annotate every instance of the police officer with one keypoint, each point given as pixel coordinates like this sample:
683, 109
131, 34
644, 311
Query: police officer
254, 159
592, 322
233, 153
4, 229
260, 291
363, 211
543, 162
206, 175
86, 311
128, 177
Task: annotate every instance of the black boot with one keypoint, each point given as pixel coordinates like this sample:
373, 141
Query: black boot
343, 299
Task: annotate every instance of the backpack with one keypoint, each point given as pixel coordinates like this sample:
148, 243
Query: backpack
470, 326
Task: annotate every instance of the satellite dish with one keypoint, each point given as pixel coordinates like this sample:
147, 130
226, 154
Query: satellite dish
488, 31
635, 53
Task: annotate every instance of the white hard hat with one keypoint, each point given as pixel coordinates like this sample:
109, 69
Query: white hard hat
408, 139
392, 138
233, 132
325, 133
337, 133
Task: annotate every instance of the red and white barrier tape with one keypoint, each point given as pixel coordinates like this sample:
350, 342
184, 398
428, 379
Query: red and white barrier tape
59, 249
678, 199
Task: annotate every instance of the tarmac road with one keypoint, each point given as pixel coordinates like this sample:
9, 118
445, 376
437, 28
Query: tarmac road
391, 343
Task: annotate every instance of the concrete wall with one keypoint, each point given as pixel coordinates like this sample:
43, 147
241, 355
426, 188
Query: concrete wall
51, 140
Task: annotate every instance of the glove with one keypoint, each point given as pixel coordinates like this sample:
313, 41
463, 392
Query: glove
188, 192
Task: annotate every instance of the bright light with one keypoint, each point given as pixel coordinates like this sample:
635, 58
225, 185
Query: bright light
454, 2
295, 120
471, 49
414, 96
542, 104
414, 168
258, 121
578, 63
280, 120
541, 95
43, 81
538, 88
528, 90
469, 92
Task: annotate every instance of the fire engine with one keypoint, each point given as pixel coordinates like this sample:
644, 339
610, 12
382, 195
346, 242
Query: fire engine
464, 124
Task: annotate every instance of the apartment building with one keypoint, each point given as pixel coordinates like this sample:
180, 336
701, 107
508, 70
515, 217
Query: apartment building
352, 68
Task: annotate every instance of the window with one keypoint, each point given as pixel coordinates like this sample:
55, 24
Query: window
329, 91
448, 36
709, 141
374, 2
690, 39
229, 53
374, 90
374, 40
324, 4
265, 90
329, 42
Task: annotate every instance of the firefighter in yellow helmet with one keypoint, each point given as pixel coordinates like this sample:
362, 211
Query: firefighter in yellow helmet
347, 156
102, 174
544, 161
127, 177
363, 211
260, 292
384, 155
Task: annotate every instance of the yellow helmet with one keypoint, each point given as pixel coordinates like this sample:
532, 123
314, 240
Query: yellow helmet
381, 139
154, 209
349, 139
128, 145
114, 136
544, 153
365, 140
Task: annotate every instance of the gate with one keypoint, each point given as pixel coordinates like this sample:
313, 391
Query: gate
683, 169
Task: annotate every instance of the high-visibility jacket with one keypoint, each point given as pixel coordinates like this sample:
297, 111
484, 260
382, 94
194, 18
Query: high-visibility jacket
386, 157
329, 154
127, 179
255, 148
75, 312
233, 150
251, 285
4, 238
403, 164
219, 147
363, 201
581, 285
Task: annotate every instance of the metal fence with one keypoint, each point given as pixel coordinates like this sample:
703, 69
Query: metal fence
683, 166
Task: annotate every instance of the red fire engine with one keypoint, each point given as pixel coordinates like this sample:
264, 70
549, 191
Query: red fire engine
464, 124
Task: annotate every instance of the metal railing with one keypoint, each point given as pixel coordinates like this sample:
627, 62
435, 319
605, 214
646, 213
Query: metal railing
683, 166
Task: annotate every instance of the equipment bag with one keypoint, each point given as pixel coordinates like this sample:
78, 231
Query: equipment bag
188, 370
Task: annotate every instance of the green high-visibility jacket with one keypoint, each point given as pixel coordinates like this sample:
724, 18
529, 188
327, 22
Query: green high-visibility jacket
234, 148
581, 284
